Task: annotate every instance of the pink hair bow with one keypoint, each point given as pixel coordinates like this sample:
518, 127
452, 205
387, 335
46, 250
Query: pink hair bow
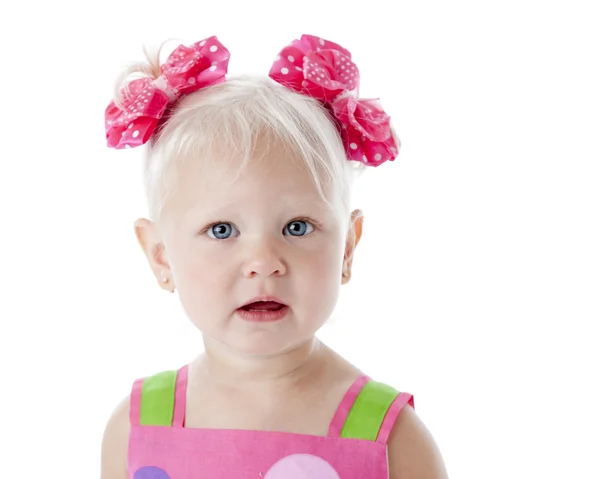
325, 71
186, 70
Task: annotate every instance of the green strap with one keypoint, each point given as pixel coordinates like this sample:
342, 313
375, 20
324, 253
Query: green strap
157, 401
368, 411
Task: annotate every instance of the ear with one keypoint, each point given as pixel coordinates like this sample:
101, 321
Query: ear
149, 240
352, 239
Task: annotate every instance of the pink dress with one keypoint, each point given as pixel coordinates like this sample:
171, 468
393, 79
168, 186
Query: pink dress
161, 447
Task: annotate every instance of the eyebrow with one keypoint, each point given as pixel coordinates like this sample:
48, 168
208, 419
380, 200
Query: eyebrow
308, 202
297, 203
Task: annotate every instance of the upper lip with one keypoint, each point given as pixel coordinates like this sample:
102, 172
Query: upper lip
263, 298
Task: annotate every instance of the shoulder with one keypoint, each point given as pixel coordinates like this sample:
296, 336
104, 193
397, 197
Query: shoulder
115, 443
412, 451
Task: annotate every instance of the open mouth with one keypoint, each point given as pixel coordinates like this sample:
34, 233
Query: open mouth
263, 311
264, 306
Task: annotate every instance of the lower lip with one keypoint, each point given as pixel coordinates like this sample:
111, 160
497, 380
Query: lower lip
263, 316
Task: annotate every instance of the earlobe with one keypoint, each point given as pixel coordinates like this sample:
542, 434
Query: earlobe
148, 240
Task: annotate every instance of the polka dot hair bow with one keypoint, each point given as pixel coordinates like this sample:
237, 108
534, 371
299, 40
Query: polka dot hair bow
325, 71
186, 70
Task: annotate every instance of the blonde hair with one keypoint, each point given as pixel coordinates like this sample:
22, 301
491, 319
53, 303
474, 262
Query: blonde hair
233, 116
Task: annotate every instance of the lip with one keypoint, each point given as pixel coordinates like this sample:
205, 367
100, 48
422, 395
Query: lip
263, 316
263, 298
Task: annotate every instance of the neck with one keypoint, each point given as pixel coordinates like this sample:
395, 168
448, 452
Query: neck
221, 365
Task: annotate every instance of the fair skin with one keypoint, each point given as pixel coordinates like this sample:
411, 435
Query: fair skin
268, 233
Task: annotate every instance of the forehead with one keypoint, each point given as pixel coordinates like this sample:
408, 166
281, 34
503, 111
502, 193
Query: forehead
270, 178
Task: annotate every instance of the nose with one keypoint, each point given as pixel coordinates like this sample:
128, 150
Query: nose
264, 260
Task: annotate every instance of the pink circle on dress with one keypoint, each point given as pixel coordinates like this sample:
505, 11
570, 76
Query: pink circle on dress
302, 466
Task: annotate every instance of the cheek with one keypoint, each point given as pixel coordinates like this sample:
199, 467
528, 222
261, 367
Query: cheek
321, 283
323, 268
203, 284
328, 263
198, 274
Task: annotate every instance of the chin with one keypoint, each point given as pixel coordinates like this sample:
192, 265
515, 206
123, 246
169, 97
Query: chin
260, 345
262, 348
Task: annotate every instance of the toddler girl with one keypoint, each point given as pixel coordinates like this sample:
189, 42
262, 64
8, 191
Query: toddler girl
249, 183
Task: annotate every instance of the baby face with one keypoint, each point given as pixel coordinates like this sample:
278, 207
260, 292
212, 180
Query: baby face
268, 234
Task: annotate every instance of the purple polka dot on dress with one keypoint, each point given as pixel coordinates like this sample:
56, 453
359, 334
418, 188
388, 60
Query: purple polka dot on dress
150, 472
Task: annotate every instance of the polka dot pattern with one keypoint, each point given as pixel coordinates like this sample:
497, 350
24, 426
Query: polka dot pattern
187, 69
295, 466
150, 472
329, 75
312, 66
302, 466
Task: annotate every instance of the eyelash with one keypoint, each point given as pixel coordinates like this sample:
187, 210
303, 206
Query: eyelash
315, 224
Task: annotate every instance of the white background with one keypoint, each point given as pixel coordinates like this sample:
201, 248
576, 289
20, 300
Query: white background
476, 286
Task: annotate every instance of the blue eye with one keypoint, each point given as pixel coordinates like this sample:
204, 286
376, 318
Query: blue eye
299, 228
221, 231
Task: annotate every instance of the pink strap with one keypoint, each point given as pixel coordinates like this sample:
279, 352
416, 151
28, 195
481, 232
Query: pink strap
180, 393
134, 402
390, 417
337, 423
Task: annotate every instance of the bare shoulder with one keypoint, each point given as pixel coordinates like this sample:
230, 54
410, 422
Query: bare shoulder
412, 450
115, 443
